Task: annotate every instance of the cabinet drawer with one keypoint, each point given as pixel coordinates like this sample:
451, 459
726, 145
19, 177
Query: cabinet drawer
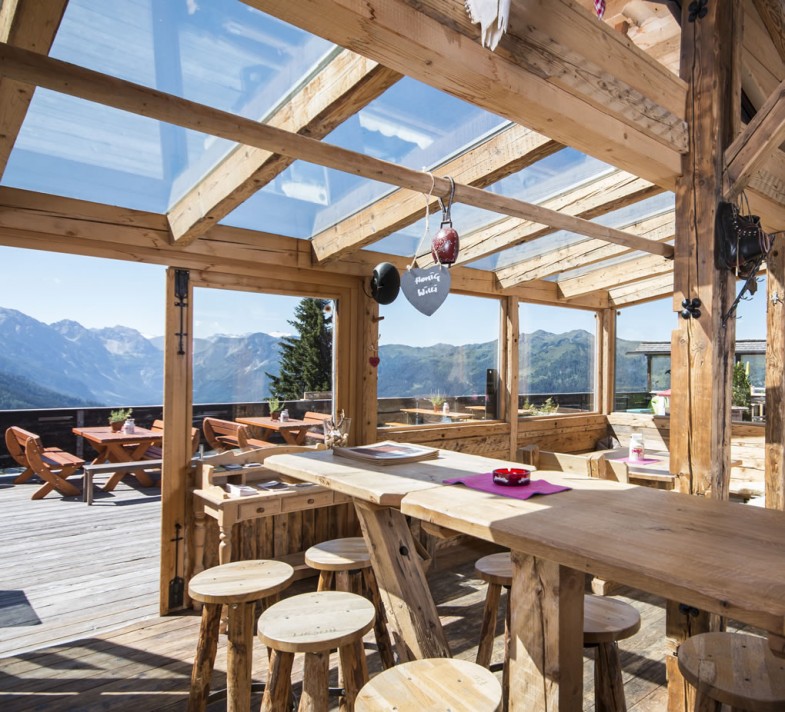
307, 500
249, 510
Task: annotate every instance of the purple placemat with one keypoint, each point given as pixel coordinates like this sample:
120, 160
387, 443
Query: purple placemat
642, 461
484, 482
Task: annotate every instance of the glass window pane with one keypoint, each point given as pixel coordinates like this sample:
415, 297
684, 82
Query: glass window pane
435, 369
556, 360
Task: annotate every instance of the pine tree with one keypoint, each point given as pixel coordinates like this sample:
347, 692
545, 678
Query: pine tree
306, 359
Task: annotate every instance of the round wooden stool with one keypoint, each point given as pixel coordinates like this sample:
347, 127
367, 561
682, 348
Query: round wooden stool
736, 669
314, 624
605, 621
239, 585
432, 685
336, 561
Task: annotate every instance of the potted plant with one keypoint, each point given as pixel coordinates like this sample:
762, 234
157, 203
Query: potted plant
437, 399
118, 417
275, 407
742, 391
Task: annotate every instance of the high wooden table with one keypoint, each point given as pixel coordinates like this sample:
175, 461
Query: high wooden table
121, 447
717, 556
294, 431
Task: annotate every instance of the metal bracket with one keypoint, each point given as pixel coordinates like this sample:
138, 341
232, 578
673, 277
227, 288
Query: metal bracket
181, 296
690, 308
697, 10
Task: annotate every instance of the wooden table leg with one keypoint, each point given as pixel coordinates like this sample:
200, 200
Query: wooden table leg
411, 613
546, 636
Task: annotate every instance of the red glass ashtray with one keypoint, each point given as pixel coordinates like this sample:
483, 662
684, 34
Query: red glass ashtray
511, 476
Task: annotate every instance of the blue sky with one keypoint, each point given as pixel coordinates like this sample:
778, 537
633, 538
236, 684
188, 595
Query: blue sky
99, 293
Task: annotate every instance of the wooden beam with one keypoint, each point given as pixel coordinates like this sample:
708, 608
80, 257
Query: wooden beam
606, 360
580, 254
775, 378
507, 152
574, 98
32, 25
645, 291
330, 96
44, 222
76, 81
771, 12
606, 277
762, 65
588, 200
754, 145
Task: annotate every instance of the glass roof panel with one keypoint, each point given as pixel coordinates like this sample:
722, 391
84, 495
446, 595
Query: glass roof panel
411, 124
222, 53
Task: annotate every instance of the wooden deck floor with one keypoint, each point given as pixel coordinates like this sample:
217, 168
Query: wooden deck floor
79, 624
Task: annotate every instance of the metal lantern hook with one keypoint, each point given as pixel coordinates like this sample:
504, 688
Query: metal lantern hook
446, 208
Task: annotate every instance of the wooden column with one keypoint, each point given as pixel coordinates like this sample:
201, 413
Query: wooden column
509, 368
605, 361
702, 348
775, 378
368, 347
178, 416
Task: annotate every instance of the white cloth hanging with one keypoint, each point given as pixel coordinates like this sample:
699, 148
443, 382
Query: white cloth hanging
493, 16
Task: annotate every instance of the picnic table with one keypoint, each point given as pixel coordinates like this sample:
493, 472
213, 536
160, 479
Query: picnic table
423, 413
120, 447
294, 431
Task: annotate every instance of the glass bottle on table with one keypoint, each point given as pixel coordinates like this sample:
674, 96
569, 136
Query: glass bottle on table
636, 447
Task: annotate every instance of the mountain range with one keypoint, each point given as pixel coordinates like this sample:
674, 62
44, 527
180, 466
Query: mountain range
65, 364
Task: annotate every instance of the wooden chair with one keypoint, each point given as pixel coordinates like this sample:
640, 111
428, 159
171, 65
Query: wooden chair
227, 435
52, 465
316, 433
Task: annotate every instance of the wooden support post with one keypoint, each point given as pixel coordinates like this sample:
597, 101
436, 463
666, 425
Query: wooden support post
702, 348
605, 361
509, 368
546, 636
775, 377
178, 415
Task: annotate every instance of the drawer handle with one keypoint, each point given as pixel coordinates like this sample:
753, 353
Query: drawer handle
260, 510
311, 500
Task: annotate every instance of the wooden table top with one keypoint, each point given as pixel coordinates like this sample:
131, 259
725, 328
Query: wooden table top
105, 434
379, 484
718, 556
270, 424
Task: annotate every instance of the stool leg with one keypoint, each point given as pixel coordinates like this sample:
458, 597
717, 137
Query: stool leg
204, 660
316, 678
506, 668
278, 689
383, 642
239, 654
488, 630
325, 581
343, 581
355, 673
608, 686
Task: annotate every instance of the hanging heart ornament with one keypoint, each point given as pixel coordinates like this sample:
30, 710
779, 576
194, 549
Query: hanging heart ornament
426, 289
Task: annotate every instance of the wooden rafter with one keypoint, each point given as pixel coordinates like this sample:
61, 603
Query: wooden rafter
32, 25
77, 81
583, 253
434, 42
501, 155
588, 200
752, 148
610, 276
338, 90
771, 12
647, 290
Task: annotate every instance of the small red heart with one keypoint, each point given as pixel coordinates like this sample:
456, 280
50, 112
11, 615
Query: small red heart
374, 361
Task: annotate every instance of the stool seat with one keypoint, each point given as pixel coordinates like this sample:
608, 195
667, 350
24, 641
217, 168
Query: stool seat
495, 568
606, 620
311, 622
239, 584
240, 581
345, 554
736, 669
432, 685
314, 624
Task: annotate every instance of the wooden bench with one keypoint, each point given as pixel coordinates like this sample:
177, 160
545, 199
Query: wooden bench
318, 420
53, 465
227, 435
156, 452
111, 468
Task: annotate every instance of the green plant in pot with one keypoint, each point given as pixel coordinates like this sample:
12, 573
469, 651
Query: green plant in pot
118, 417
275, 407
437, 399
742, 388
